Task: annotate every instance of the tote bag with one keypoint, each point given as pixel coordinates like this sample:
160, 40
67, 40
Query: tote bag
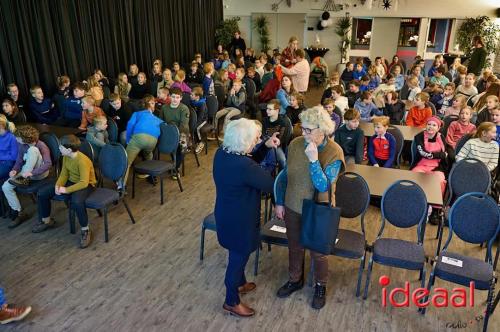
320, 224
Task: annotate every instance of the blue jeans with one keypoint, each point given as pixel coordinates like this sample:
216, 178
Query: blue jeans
235, 276
2, 297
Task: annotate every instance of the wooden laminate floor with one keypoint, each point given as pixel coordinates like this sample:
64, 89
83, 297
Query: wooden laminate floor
149, 277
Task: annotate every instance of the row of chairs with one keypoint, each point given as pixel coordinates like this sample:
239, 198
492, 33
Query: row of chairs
404, 205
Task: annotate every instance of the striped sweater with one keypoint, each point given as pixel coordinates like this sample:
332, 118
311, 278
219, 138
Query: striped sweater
477, 149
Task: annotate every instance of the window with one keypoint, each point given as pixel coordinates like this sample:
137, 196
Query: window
361, 33
438, 37
408, 32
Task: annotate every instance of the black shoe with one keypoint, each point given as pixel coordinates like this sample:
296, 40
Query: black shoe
42, 226
319, 297
287, 289
435, 217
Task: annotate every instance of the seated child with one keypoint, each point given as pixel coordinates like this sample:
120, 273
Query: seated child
399, 78
486, 113
335, 113
97, 134
439, 77
235, 104
457, 129
198, 102
394, 108
353, 94
347, 76
293, 111
33, 163
358, 71
76, 181
72, 114
366, 107
163, 98
382, 145
41, 108
364, 83
444, 100
457, 104
8, 147
350, 137
482, 146
382, 90
90, 111
208, 82
179, 77
413, 88
274, 123
195, 76
420, 112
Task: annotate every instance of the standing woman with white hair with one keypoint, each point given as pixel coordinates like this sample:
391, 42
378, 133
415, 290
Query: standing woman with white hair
239, 181
314, 162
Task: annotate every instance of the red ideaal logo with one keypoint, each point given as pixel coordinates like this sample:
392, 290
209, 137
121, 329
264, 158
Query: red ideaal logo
440, 297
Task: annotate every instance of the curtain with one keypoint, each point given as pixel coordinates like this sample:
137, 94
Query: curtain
43, 39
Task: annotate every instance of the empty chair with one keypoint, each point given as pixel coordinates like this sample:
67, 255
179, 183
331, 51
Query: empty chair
112, 166
474, 218
404, 205
167, 144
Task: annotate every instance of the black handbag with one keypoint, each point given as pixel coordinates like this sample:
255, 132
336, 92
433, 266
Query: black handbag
320, 224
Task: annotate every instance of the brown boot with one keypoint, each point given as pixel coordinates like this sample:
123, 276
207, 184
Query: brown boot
247, 288
11, 313
240, 310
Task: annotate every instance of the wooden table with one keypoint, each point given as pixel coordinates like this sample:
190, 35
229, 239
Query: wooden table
57, 130
379, 179
407, 131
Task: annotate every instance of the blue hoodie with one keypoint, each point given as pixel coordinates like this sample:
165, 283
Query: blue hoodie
200, 107
72, 108
143, 122
43, 112
367, 110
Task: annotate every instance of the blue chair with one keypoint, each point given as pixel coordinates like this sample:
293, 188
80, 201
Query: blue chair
474, 218
467, 175
87, 149
112, 130
113, 166
400, 140
193, 118
208, 223
52, 143
403, 205
461, 142
167, 144
352, 196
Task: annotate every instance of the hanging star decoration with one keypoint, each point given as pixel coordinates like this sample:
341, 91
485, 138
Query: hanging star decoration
386, 4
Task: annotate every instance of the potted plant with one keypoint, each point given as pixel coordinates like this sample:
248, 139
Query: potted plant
480, 26
261, 24
225, 31
342, 29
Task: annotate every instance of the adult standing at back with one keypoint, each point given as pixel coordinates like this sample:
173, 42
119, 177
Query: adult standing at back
288, 57
239, 181
237, 43
299, 72
478, 56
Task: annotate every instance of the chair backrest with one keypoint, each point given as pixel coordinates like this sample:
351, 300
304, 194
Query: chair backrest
461, 142
404, 92
212, 107
113, 161
400, 141
413, 152
52, 143
186, 99
404, 205
169, 139
447, 120
468, 175
21, 117
474, 218
87, 149
470, 101
433, 107
221, 96
112, 130
287, 135
250, 89
193, 119
352, 195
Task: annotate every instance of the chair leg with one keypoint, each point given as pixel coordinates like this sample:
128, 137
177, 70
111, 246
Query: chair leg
360, 274
489, 304
422, 277
310, 275
183, 167
440, 236
496, 257
161, 190
429, 286
106, 236
440, 225
206, 146
128, 211
179, 180
202, 243
196, 157
133, 184
368, 276
256, 265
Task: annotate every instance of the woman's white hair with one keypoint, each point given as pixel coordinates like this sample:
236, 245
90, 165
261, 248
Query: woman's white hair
317, 116
240, 135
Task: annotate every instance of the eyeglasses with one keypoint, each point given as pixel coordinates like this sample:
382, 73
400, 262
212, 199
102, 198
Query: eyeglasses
307, 130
